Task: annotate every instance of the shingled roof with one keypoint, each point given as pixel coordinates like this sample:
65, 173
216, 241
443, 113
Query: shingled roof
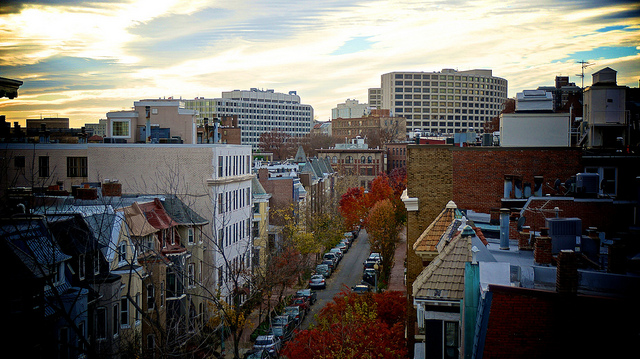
443, 278
426, 243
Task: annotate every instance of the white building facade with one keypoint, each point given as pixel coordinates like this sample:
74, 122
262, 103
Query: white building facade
258, 111
444, 102
350, 109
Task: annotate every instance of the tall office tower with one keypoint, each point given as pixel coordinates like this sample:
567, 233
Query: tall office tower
258, 111
444, 102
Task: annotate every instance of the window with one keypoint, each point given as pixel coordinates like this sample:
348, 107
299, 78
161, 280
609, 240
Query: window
19, 161
76, 167
451, 340
96, 264
120, 128
122, 251
101, 323
81, 266
191, 274
124, 312
43, 166
190, 236
116, 319
151, 300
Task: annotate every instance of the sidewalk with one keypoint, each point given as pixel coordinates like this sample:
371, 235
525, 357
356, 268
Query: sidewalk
396, 278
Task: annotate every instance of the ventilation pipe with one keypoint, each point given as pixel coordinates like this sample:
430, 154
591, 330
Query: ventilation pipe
517, 186
504, 228
537, 185
527, 190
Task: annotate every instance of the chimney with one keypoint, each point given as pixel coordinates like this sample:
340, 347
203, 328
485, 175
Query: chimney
504, 228
112, 188
542, 248
567, 272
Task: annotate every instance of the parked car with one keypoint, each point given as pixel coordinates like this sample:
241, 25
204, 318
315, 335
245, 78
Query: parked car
369, 276
369, 264
296, 312
375, 257
332, 256
283, 321
324, 270
343, 247
312, 295
346, 242
317, 281
338, 252
269, 343
330, 263
282, 333
301, 302
361, 288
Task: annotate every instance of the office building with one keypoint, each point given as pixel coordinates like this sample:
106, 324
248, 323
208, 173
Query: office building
443, 102
258, 111
350, 109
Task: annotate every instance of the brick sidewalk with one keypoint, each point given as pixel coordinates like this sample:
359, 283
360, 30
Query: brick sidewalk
396, 278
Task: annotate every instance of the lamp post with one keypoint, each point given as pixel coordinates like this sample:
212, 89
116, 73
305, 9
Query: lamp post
375, 266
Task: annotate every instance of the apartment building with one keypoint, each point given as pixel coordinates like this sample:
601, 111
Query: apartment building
445, 102
258, 111
152, 120
214, 179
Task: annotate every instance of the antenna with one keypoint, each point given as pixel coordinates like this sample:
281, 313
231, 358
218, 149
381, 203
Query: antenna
584, 64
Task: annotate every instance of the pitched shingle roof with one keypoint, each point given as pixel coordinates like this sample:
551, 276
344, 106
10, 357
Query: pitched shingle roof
443, 278
431, 236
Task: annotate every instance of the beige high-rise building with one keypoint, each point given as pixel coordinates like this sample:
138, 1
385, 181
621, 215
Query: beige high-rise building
443, 102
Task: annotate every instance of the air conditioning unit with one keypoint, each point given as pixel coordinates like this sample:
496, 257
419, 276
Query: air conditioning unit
563, 233
587, 183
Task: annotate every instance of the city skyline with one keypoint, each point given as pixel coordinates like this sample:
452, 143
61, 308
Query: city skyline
81, 60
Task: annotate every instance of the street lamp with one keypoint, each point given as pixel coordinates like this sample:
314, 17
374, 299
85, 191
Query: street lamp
375, 266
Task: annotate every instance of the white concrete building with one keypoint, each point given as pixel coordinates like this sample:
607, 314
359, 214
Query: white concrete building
258, 111
350, 109
448, 101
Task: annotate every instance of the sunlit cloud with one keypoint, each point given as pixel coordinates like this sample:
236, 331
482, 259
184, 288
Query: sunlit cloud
81, 60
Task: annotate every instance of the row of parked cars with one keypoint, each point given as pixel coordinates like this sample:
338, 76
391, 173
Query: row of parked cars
330, 261
283, 325
369, 274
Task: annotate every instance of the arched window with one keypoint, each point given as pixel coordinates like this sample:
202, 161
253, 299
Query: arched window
334, 159
362, 159
369, 160
349, 159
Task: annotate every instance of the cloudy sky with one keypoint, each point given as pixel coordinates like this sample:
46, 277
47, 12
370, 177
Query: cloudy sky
81, 59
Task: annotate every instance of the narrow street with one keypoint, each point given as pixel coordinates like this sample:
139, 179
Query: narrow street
348, 274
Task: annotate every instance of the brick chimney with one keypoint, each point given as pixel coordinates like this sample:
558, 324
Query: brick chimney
542, 247
567, 272
112, 189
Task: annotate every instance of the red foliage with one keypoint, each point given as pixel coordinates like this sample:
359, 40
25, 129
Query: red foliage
353, 206
355, 326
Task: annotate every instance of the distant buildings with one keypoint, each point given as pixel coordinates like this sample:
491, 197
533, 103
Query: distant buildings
378, 126
153, 121
355, 159
258, 111
350, 109
445, 102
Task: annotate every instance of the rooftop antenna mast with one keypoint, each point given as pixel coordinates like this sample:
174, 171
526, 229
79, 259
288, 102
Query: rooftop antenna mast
584, 64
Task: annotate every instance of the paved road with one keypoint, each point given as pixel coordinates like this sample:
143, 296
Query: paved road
348, 274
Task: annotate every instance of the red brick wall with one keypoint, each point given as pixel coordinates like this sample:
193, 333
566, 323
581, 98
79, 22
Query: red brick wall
526, 323
478, 173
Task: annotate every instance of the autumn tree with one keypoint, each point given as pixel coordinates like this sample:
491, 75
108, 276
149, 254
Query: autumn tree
383, 230
354, 326
279, 143
353, 206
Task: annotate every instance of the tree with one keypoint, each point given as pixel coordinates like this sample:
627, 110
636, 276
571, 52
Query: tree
353, 207
383, 230
277, 142
354, 326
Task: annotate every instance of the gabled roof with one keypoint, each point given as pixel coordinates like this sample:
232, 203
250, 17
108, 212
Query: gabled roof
181, 213
136, 221
300, 155
156, 215
431, 236
443, 278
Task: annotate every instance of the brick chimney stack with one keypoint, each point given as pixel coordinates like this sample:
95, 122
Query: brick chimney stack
542, 247
567, 272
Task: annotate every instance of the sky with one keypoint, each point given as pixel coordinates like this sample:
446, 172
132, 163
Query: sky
82, 59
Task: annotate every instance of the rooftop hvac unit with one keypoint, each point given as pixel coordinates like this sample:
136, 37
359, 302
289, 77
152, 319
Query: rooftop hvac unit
563, 233
587, 183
